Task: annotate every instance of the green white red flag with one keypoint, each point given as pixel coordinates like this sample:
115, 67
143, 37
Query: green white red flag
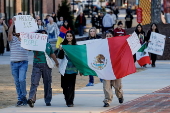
108, 59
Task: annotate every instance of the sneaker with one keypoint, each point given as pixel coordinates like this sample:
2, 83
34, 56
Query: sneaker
90, 84
101, 80
19, 103
144, 66
70, 105
153, 65
121, 100
30, 103
48, 104
106, 105
24, 100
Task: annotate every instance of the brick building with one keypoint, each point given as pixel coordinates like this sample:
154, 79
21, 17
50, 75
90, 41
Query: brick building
9, 8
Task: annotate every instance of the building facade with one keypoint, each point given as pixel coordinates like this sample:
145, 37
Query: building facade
10, 8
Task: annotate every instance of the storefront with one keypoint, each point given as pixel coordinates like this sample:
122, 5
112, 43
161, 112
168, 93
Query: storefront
10, 8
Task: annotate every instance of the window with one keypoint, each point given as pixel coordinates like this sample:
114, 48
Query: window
25, 7
37, 7
9, 9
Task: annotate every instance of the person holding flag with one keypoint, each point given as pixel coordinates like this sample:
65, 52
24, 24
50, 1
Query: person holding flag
62, 34
68, 80
141, 56
107, 85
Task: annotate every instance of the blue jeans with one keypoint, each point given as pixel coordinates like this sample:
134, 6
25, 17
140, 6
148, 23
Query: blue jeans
19, 70
41, 70
81, 30
91, 79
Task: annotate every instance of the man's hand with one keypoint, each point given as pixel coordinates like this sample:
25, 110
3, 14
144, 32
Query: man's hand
80, 74
13, 20
57, 64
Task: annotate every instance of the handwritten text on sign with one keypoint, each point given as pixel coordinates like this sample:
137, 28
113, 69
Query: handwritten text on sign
134, 43
25, 23
33, 41
157, 43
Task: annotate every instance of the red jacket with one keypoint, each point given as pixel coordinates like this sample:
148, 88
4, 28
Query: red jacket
119, 32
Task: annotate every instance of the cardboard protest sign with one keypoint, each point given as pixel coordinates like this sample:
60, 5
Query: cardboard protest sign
25, 23
134, 43
157, 43
33, 41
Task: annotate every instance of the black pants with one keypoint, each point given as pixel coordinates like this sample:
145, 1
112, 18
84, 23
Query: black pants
2, 48
68, 84
134, 57
153, 58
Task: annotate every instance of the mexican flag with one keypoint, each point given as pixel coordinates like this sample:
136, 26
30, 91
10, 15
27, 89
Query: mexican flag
142, 56
108, 59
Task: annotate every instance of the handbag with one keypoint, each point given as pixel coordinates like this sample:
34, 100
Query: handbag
50, 62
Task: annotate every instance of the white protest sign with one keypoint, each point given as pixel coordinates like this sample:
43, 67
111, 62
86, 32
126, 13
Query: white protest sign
25, 23
33, 41
62, 65
156, 44
134, 43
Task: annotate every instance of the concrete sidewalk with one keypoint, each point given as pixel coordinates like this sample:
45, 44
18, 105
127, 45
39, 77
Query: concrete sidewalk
89, 99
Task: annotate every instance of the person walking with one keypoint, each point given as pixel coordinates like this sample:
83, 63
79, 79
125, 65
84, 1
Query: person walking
107, 22
128, 19
116, 11
40, 24
114, 18
46, 20
60, 22
3, 36
92, 36
80, 23
54, 17
119, 31
52, 29
19, 64
108, 84
65, 26
68, 80
41, 69
141, 35
94, 20
100, 20
153, 28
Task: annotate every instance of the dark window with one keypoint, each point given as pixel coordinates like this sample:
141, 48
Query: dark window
9, 9
38, 7
25, 7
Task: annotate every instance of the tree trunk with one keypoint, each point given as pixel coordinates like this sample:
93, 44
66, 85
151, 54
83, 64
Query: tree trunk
156, 11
